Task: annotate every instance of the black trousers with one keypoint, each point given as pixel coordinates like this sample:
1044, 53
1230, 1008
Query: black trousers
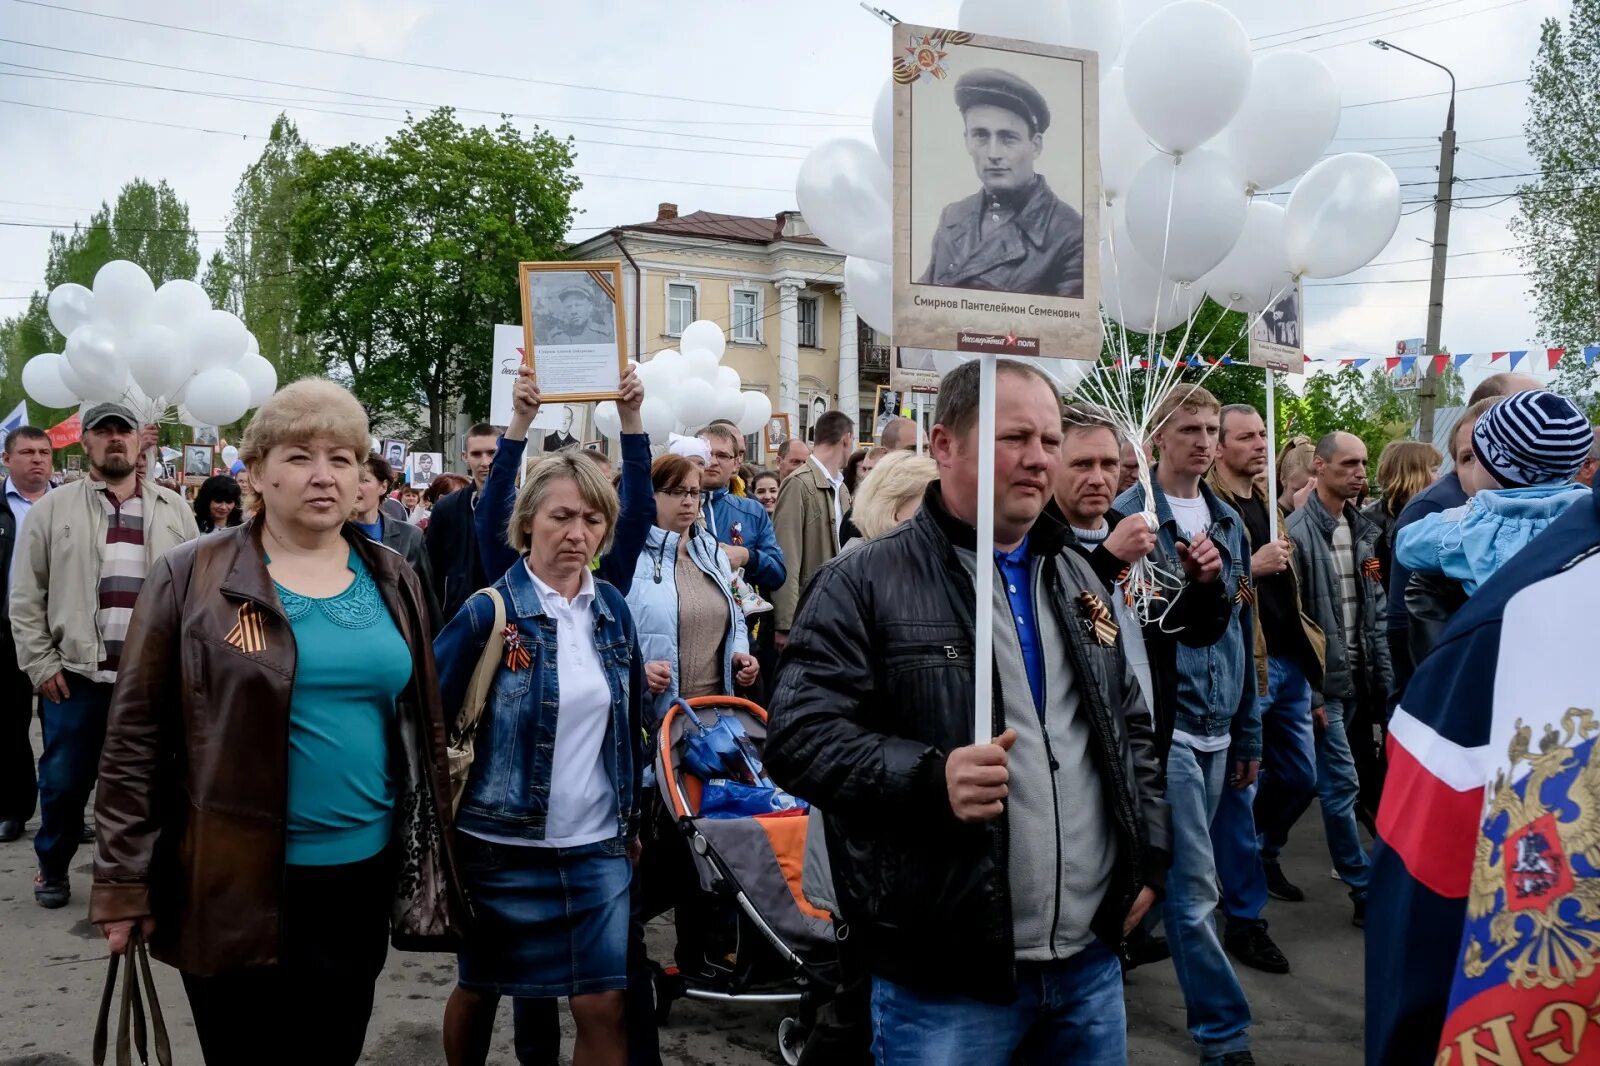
19, 788
312, 1008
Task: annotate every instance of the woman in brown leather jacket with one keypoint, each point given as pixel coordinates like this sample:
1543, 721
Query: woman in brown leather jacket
274, 792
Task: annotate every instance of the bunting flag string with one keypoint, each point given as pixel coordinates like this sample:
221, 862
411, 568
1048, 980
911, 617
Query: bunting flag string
1395, 365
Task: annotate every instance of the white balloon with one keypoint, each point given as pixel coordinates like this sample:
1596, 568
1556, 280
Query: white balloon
178, 300
656, 414
883, 123
187, 417
215, 340
1044, 21
123, 293
230, 455
1187, 71
699, 363
1124, 148
217, 396
843, 190
1256, 272
757, 409
1286, 121
727, 404
70, 306
607, 419
1097, 27
41, 380
693, 401
253, 346
727, 380
75, 382
706, 335
92, 351
157, 359
870, 286
260, 375
1135, 295
1184, 214
668, 365
1340, 215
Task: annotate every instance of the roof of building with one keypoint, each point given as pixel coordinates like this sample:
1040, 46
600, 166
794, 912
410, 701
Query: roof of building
784, 226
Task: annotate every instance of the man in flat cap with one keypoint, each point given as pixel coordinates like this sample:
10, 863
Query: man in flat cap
1015, 235
574, 322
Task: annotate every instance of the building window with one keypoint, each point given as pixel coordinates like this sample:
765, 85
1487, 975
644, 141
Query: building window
746, 316
680, 308
810, 313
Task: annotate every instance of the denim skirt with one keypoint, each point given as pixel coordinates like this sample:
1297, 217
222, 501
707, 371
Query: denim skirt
546, 922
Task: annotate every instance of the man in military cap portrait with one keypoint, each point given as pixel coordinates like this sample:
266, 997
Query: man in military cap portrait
1015, 234
575, 320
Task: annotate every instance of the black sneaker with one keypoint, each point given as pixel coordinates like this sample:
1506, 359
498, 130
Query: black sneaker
1359, 918
10, 829
1280, 887
1251, 945
51, 893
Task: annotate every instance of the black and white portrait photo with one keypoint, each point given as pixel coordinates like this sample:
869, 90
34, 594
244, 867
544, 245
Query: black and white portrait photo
394, 453
206, 435
574, 337
198, 460
569, 307
425, 466
996, 189
562, 436
886, 407
1275, 340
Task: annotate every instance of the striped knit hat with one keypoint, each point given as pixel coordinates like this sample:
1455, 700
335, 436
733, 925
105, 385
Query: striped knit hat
1532, 438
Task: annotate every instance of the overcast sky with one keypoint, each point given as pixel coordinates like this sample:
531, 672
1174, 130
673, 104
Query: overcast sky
712, 106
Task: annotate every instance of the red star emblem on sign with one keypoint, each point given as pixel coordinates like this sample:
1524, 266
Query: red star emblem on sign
1011, 339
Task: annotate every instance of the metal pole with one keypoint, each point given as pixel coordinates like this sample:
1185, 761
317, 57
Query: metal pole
1272, 458
983, 650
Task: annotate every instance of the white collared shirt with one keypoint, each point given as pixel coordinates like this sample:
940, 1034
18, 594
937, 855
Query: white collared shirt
837, 481
20, 506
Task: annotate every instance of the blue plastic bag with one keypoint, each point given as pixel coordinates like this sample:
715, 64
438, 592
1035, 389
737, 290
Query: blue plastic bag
722, 798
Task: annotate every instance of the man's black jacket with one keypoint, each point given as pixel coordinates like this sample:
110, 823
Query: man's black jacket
875, 688
452, 543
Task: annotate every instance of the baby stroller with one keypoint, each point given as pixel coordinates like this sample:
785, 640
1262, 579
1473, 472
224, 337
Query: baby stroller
748, 869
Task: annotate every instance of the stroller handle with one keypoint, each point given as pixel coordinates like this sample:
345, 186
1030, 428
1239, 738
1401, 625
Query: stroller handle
664, 735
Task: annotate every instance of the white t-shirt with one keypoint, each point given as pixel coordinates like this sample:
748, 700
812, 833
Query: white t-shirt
1192, 515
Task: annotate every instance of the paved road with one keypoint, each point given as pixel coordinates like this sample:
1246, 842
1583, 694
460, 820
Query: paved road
52, 965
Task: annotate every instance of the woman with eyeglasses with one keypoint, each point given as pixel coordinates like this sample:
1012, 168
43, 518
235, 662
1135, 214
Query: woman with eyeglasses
692, 633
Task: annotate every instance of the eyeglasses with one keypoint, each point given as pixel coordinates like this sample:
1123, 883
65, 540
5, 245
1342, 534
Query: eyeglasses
724, 457
680, 494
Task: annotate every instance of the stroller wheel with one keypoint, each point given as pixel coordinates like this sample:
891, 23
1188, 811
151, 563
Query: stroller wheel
791, 1040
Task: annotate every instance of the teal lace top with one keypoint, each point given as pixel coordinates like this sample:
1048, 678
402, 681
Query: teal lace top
352, 665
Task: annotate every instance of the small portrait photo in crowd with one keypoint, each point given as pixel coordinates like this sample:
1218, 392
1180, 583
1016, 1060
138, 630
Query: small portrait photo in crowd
560, 420
423, 468
886, 406
572, 328
996, 191
777, 432
206, 435
198, 459
394, 453
1275, 341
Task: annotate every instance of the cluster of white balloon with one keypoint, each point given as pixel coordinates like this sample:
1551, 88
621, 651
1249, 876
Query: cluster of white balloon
1192, 128
687, 387
152, 349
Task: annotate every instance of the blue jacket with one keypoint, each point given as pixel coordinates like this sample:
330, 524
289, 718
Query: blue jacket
637, 514
743, 522
654, 602
1216, 684
508, 792
1468, 544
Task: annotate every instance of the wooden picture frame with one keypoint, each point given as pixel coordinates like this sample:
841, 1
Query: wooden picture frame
576, 348
196, 454
772, 441
880, 417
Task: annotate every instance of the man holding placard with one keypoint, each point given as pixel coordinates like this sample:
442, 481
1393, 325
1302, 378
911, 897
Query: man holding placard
985, 885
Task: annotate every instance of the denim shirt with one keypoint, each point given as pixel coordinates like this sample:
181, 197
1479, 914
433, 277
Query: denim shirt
508, 791
1216, 684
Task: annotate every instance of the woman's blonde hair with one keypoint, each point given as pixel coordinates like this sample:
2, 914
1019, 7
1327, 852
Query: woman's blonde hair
898, 478
1405, 468
303, 411
1296, 457
537, 482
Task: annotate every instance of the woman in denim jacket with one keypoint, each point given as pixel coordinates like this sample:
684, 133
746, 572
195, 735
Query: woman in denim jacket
692, 635
548, 823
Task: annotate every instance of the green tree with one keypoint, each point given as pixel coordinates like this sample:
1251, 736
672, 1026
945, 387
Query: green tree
262, 273
1558, 218
1576, 380
407, 253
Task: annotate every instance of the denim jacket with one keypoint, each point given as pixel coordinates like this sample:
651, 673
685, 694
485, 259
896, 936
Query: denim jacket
653, 598
508, 792
1216, 684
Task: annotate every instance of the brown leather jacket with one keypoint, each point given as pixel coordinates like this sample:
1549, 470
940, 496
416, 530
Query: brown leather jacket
190, 807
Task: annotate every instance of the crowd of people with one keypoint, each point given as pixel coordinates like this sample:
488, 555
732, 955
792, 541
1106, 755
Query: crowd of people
323, 713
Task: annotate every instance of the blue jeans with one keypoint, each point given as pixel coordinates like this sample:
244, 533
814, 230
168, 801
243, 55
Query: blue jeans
1250, 820
1067, 1011
1338, 788
1219, 1015
74, 731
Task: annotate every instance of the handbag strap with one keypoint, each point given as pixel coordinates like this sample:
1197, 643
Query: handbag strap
103, 1019
133, 1029
158, 1024
483, 673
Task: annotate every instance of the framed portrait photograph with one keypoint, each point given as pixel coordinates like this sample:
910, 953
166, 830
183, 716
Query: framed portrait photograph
198, 459
777, 432
574, 335
996, 195
74, 462
206, 435
564, 425
394, 453
1275, 338
914, 370
423, 468
885, 405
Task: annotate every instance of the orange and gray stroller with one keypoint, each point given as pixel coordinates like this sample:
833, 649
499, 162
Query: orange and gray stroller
777, 948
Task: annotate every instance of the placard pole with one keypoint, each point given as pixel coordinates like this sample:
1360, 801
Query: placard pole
983, 650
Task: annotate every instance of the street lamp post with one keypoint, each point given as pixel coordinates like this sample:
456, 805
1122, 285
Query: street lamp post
1427, 383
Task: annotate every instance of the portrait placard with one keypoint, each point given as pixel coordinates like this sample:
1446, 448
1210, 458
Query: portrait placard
574, 336
1275, 340
198, 459
394, 453
914, 370
422, 468
777, 432
996, 196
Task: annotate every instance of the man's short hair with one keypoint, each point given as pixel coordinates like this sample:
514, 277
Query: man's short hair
1191, 398
833, 427
1233, 409
726, 432
483, 429
1498, 385
379, 467
957, 410
787, 446
1080, 415
1328, 446
894, 430
22, 433
1594, 446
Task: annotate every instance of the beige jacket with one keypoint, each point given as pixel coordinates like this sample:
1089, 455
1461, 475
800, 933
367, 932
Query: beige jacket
56, 587
803, 523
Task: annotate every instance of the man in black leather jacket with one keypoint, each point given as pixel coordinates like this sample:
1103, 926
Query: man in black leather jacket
987, 886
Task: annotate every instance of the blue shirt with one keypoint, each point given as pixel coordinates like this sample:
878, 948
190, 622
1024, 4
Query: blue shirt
351, 666
20, 506
1019, 593
373, 530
